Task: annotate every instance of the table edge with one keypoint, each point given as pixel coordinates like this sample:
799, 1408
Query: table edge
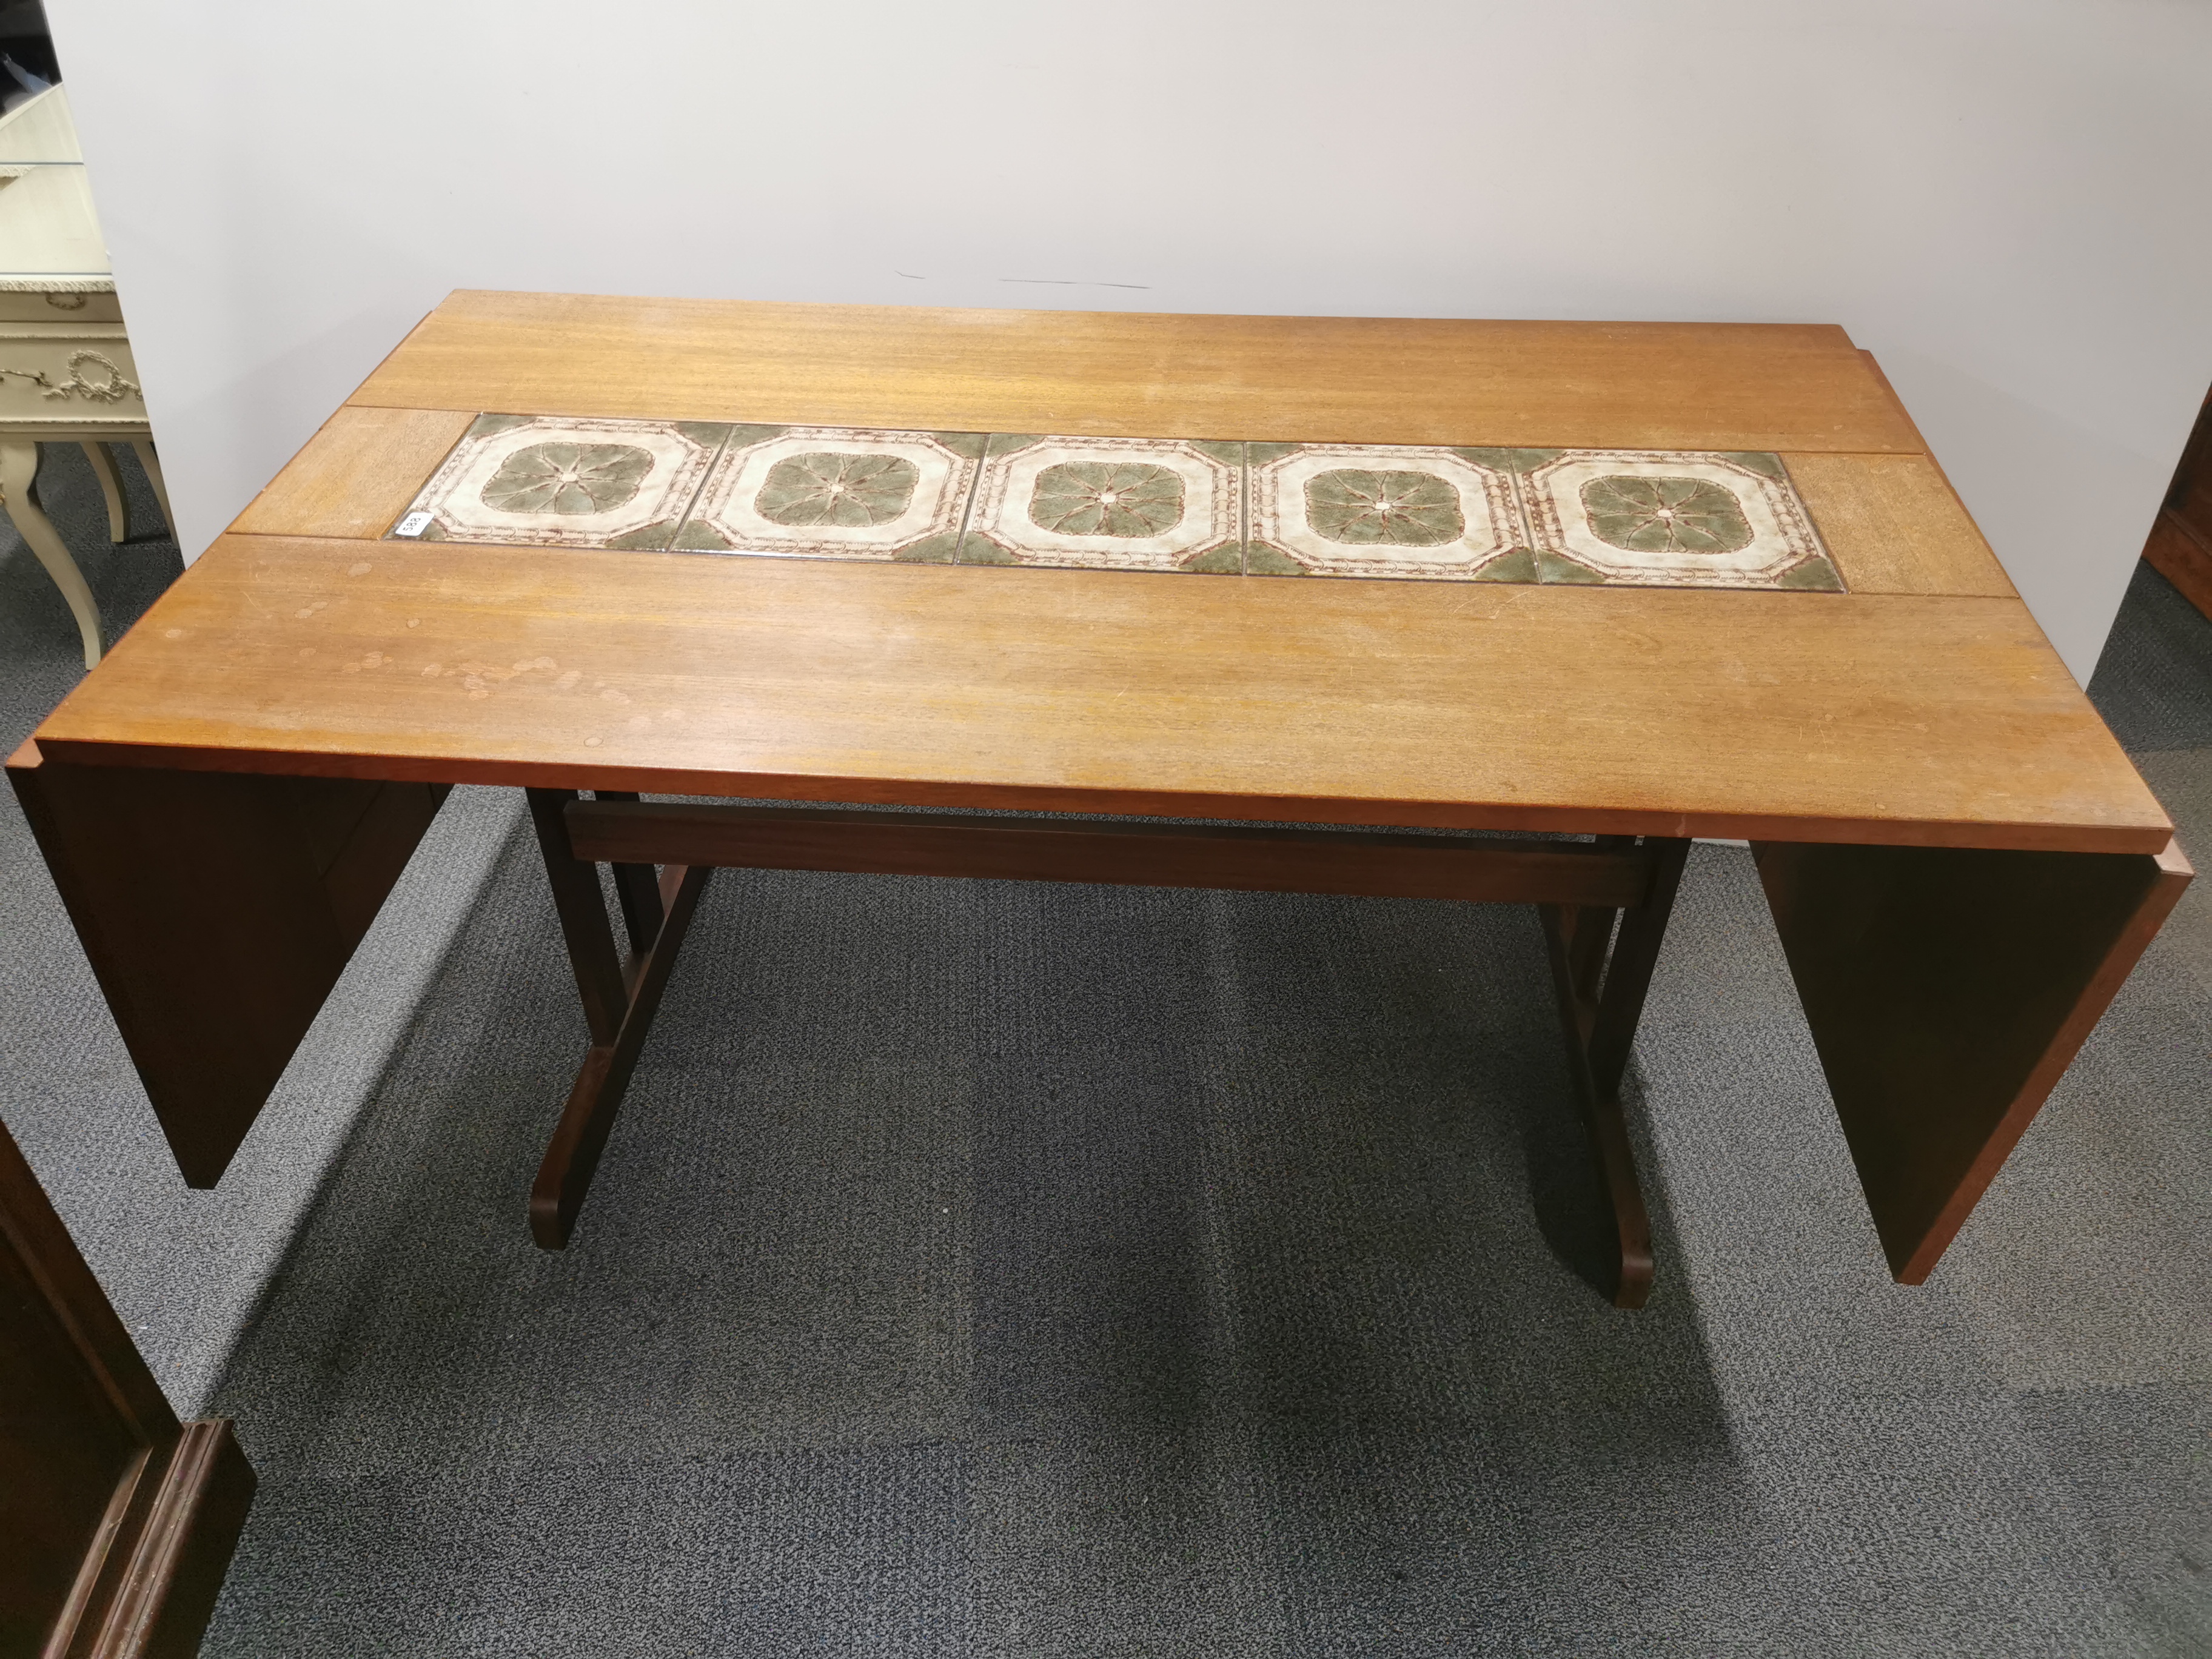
829, 789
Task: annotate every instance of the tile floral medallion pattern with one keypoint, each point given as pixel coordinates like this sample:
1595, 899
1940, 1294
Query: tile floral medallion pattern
836, 493
546, 482
1374, 510
1108, 504
1668, 518
1426, 512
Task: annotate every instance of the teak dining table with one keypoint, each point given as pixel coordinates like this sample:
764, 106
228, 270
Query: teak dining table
1482, 611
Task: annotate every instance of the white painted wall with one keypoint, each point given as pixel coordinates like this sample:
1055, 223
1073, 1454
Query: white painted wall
2003, 198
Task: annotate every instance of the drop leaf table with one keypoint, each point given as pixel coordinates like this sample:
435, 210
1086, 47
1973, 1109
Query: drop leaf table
1474, 611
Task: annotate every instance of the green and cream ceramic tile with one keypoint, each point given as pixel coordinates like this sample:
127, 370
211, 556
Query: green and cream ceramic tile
1672, 518
823, 492
543, 481
1108, 504
1383, 510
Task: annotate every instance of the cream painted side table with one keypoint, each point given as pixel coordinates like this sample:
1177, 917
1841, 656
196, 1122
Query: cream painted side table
66, 374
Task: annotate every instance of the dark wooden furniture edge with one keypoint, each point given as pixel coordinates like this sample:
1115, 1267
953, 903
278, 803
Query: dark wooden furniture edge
1582, 888
2177, 553
167, 1570
217, 910
2180, 547
1947, 991
156, 1543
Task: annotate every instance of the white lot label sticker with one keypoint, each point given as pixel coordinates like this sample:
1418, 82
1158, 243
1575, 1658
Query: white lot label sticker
413, 525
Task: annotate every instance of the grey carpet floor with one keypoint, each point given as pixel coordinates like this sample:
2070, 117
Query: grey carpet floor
1009, 1270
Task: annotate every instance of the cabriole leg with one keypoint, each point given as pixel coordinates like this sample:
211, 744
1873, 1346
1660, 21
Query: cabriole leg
110, 489
19, 497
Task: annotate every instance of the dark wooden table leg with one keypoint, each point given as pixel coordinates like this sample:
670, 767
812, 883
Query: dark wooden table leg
638, 888
618, 1007
1600, 992
1947, 989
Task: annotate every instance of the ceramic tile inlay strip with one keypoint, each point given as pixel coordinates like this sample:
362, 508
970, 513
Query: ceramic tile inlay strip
1668, 519
538, 481
1378, 510
1640, 518
833, 493
1108, 504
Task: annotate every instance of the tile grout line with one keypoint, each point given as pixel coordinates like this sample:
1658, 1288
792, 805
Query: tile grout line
968, 507
1527, 526
1243, 507
699, 490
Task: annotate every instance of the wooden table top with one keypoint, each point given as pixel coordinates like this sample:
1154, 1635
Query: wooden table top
1922, 707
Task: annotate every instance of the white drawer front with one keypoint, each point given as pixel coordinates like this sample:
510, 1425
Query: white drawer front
34, 306
79, 375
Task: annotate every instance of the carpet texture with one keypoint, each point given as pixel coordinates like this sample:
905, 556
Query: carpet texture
995, 1269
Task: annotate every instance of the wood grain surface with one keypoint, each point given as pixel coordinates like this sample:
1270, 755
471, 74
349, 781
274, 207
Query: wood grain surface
1894, 525
357, 474
1665, 385
1781, 716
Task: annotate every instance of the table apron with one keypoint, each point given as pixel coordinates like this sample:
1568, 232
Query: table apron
1007, 848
